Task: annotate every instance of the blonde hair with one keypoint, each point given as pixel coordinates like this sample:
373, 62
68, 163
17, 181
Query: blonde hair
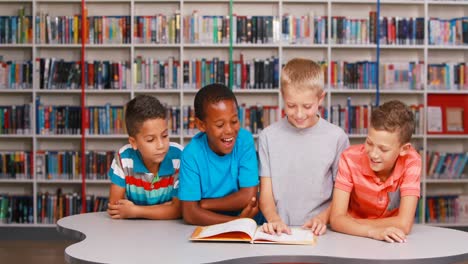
302, 74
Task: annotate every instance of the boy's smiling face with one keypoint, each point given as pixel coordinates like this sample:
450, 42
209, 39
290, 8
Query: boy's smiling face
301, 106
383, 149
221, 125
152, 141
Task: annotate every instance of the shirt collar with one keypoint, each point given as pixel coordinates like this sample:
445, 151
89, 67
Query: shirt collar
367, 171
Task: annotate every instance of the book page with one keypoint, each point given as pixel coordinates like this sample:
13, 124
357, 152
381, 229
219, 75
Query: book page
298, 236
245, 225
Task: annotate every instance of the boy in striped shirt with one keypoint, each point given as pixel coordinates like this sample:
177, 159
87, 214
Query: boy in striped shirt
144, 173
378, 183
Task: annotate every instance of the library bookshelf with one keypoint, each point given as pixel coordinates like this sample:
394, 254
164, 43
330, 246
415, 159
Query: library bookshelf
170, 48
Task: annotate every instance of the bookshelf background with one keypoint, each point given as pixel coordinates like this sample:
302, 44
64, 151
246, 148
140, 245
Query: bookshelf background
175, 50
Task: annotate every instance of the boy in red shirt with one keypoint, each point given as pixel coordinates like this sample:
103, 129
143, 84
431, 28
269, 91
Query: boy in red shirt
378, 183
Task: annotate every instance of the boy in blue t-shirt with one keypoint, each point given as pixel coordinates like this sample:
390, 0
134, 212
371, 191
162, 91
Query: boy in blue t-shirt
146, 170
219, 168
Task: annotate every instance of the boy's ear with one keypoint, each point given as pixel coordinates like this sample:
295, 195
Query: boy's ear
132, 142
405, 148
200, 124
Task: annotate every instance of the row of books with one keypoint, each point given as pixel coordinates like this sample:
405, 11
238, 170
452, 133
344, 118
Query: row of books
363, 75
355, 119
399, 30
67, 29
447, 76
54, 73
15, 74
52, 207
99, 120
57, 29
105, 120
248, 74
447, 209
16, 165
306, 29
446, 165
158, 29
66, 165
15, 119
16, 209
448, 31
152, 73
215, 29
149, 73
19, 209
16, 29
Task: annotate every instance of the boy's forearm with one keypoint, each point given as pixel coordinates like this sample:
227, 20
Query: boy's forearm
195, 215
159, 212
348, 225
268, 209
394, 221
233, 202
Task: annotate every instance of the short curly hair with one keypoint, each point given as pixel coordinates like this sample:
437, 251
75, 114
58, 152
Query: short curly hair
140, 109
211, 94
394, 116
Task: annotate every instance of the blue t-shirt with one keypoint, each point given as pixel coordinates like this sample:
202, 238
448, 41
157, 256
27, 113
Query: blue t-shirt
204, 174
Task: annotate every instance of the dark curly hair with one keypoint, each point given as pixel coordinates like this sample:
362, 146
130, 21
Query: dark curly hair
211, 94
140, 109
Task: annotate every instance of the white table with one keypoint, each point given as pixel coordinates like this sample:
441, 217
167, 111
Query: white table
105, 240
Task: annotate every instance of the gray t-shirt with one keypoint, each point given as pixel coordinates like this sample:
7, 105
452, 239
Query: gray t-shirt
302, 164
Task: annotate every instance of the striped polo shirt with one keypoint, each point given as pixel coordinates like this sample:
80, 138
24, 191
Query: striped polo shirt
129, 171
370, 197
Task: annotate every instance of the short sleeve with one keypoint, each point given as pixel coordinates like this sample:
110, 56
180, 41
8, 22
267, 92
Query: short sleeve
343, 143
264, 156
189, 178
116, 173
343, 179
176, 159
411, 184
248, 163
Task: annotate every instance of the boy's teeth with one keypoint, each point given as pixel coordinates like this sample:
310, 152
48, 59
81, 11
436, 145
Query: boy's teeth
227, 139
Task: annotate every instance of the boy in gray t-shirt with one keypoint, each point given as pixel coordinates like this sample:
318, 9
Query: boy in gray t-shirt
299, 155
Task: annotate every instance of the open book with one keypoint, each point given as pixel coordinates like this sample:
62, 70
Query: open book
246, 230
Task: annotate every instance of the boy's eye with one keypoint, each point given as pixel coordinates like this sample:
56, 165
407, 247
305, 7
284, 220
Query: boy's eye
219, 125
307, 106
290, 106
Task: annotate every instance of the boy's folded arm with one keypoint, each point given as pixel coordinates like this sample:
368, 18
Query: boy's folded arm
166, 211
116, 193
404, 220
340, 220
195, 215
232, 202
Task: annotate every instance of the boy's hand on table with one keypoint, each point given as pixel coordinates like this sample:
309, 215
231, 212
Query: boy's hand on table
122, 209
389, 234
316, 225
276, 227
251, 210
